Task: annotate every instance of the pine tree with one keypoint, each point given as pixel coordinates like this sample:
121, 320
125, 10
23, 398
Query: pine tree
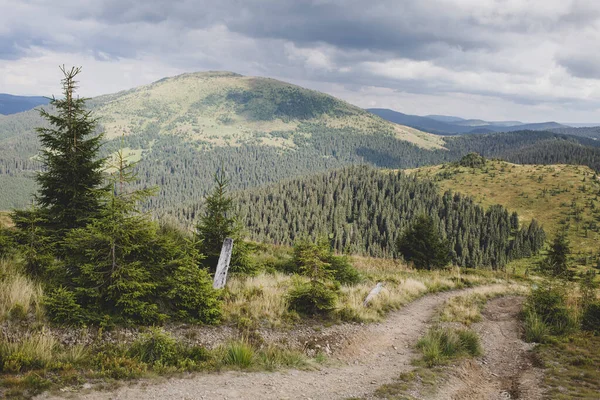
423, 246
70, 185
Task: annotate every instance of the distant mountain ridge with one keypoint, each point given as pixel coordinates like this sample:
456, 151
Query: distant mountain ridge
449, 125
10, 104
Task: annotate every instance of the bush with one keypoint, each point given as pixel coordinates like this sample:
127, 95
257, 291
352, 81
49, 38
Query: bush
318, 262
62, 307
343, 271
590, 320
193, 296
156, 347
314, 298
549, 303
442, 344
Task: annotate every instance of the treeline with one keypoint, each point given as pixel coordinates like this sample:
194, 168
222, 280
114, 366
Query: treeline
365, 211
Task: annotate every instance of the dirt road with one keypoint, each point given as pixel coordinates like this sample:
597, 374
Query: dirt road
506, 371
378, 353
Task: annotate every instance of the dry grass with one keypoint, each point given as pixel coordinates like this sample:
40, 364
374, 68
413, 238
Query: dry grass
33, 350
467, 309
262, 299
5, 220
18, 294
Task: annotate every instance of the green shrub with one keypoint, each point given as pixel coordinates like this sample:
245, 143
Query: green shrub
536, 330
342, 270
313, 298
239, 354
192, 294
442, 344
156, 347
318, 262
549, 303
62, 307
590, 321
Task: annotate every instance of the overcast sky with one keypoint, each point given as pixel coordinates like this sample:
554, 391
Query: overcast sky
530, 60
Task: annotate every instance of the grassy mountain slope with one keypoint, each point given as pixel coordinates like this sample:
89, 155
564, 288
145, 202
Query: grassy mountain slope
558, 196
223, 108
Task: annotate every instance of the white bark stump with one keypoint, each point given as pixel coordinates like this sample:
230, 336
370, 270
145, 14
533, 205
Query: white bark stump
223, 265
374, 292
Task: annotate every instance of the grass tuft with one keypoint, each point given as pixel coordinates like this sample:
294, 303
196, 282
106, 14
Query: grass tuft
439, 345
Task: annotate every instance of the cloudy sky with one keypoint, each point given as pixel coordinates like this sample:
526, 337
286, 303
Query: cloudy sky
531, 60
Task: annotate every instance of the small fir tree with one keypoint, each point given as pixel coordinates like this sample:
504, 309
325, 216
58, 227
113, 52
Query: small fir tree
422, 245
217, 224
556, 262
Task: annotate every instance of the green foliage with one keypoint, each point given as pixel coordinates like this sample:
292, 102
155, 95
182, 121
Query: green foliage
62, 307
590, 320
556, 263
313, 299
239, 354
216, 225
192, 294
367, 210
8, 243
123, 264
472, 160
422, 245
439, 345
156, 347
317, 261
548, 302
35, 242
536, 330
69, 186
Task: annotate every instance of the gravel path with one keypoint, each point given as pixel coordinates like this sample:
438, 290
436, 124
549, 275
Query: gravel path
376, 355
506, 371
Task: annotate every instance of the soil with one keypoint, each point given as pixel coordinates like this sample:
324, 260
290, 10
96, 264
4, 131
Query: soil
507, 370
371, 355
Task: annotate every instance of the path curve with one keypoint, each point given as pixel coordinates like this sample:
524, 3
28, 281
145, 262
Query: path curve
377, 354
507, 369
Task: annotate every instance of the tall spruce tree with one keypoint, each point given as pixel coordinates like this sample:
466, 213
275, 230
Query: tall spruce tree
70, 185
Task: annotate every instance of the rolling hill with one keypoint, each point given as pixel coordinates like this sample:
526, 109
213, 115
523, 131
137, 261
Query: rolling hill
558, 196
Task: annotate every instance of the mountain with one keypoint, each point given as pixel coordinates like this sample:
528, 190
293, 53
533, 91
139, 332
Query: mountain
445, 118
224, 108
446, 125
181, 130
10, 104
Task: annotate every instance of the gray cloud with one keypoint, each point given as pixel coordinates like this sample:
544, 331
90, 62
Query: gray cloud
510, 52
